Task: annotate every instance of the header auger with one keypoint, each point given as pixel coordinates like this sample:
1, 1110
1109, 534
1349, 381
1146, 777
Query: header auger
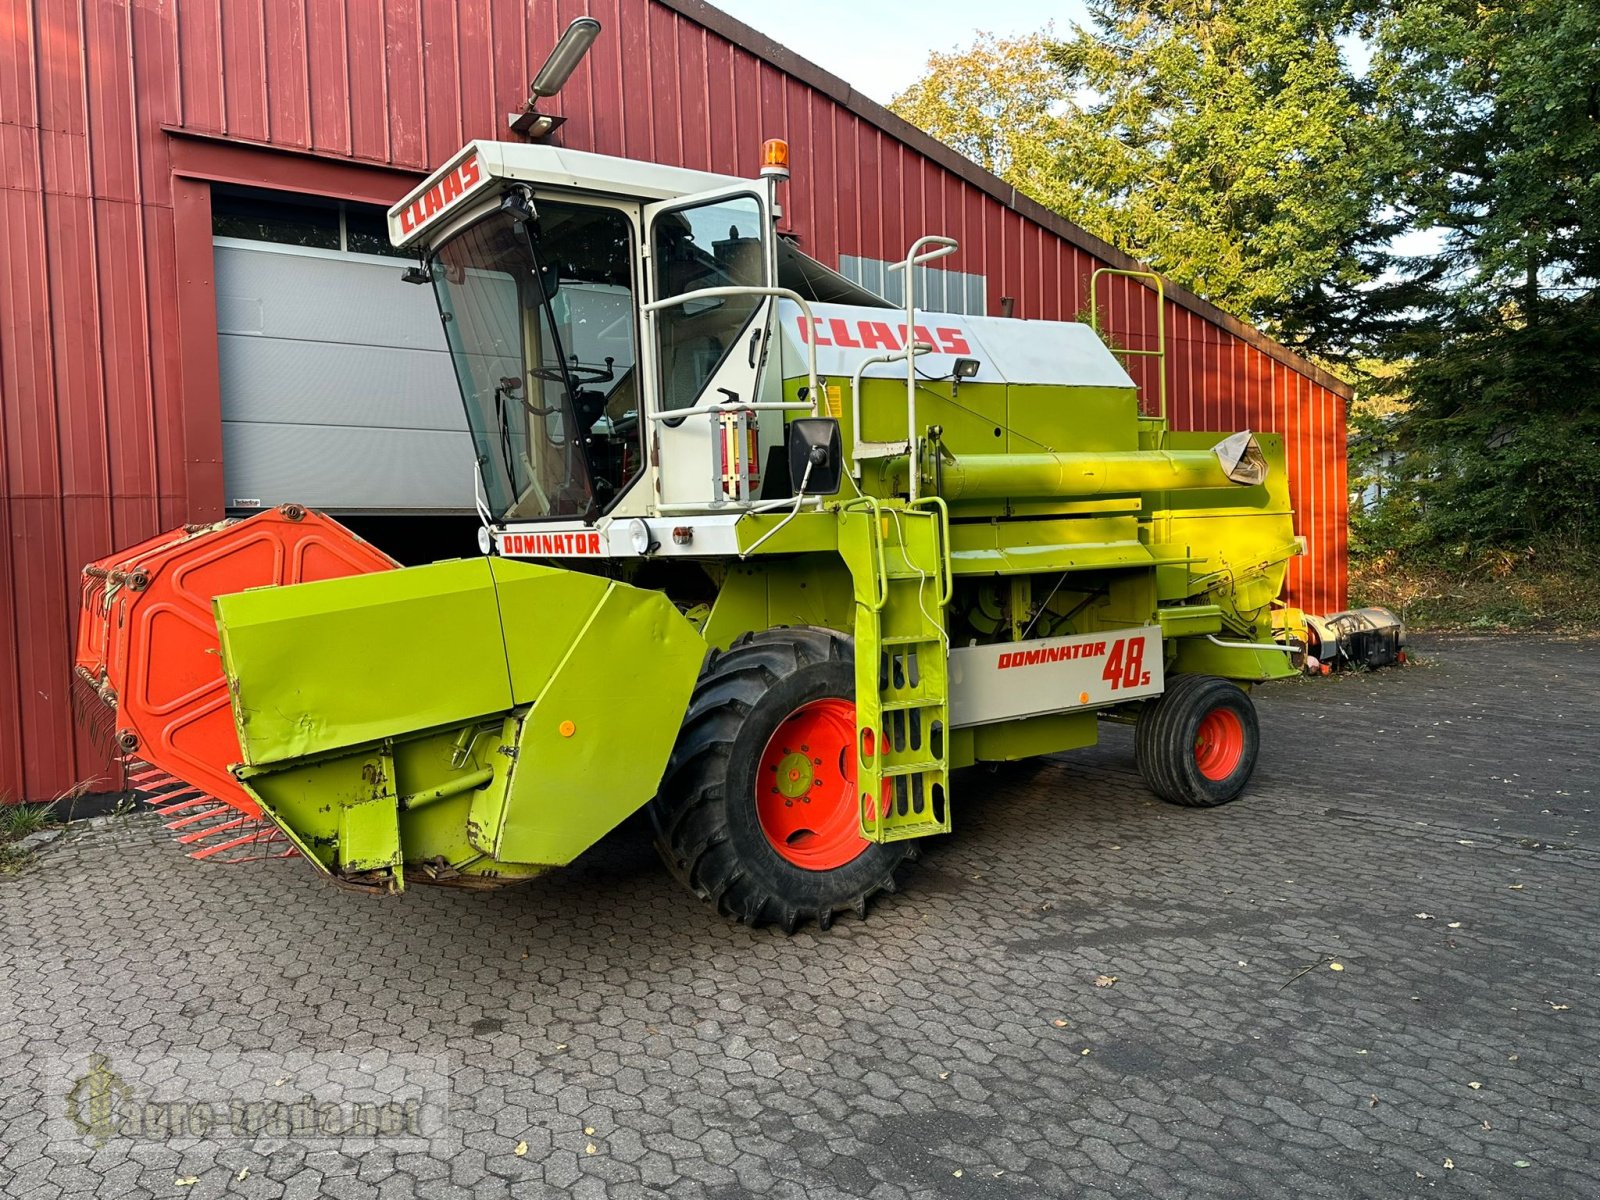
762, 553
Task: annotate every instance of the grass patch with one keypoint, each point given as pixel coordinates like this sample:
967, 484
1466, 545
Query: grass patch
17, 821
1498, 592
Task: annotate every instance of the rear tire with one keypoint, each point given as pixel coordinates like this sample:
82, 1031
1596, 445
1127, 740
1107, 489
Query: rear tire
777, 708
1197, 743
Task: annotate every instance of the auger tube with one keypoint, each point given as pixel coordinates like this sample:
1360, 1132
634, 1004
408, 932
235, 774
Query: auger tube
1042, 476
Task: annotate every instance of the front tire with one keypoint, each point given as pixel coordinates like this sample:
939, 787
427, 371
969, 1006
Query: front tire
1197, 743
757, 811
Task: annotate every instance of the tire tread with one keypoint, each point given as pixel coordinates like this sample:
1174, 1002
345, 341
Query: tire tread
691, 829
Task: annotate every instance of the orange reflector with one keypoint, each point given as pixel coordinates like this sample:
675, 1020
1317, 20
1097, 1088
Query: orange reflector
775, 158
568, 729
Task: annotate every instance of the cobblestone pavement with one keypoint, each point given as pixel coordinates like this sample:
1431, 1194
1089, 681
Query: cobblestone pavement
1431, 831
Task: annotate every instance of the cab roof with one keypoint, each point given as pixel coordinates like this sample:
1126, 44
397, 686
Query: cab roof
479, 165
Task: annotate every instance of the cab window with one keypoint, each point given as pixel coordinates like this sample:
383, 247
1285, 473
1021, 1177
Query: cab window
716, 244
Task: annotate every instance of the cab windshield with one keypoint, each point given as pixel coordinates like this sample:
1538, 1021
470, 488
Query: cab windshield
539, 316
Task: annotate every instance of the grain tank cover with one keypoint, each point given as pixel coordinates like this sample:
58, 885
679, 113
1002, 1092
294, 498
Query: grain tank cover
1008, 351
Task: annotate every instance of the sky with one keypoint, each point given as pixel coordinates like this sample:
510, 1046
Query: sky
881, 46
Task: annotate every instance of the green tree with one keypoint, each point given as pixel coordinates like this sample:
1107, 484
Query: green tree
1496, 107
1000, 103
1229, 144
1224, 142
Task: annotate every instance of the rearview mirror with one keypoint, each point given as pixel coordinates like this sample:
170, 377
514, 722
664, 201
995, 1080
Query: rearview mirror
816, 456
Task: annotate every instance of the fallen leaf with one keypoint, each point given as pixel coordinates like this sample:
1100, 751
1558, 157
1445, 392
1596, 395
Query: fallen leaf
1513, 1058
590, 1148
1515, 887
1105, 981
522, 1149
1373, 1100
944, 1074
1454, 925
187, 1181
1059, 1023
1086, 1049
1424, 916
1474, 1085
589, 1129
1449, 1164
956, 1172
1335, 966
1486, 1124
1522, 1162
244, 1173
561, 1045
1363, 1051
1557, 1007
279, 1082
1242, 963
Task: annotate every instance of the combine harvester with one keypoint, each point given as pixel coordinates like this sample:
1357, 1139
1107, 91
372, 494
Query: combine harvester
771, 566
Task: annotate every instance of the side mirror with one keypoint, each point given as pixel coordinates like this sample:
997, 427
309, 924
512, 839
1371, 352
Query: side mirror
816, 456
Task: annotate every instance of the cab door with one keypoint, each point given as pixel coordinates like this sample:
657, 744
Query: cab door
707, 352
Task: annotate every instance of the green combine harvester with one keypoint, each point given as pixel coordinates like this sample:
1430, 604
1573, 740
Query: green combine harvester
761, 553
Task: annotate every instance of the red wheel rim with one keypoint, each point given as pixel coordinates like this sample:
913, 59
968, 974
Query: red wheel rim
806, 787
1219, 744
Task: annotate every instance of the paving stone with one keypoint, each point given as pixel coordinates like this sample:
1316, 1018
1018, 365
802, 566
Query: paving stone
715, 1061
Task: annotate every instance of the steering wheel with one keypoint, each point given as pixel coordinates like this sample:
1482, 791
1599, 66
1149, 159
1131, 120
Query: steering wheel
576, 373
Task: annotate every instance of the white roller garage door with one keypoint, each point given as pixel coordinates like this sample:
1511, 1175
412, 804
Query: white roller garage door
337, 390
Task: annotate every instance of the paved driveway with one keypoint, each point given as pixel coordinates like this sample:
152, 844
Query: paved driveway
1431, 831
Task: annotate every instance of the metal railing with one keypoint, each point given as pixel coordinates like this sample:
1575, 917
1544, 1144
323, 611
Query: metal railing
720, 414
1160, 352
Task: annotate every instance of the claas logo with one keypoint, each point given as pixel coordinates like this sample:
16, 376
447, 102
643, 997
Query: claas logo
880, 335
441, 195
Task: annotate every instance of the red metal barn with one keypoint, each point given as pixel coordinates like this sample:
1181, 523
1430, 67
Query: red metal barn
197, 314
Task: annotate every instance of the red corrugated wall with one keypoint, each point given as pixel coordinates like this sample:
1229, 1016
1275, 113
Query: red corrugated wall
98, 98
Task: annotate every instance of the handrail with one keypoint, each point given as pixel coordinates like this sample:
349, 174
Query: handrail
678, 414
880, 565
941, 514
1160, 352
1290, 648
655, 306
916, 257
857, 379
855, 403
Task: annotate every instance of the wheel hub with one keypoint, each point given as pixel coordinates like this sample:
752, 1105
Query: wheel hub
1219, 743
806, 787
795, 776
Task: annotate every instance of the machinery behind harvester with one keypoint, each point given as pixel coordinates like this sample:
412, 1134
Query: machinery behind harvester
760, 552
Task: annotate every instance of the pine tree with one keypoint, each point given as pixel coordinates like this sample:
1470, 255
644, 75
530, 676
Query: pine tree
1496, 107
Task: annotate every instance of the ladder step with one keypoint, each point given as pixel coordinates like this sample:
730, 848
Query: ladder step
915, 639
901, 831
912, 768
904, 705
